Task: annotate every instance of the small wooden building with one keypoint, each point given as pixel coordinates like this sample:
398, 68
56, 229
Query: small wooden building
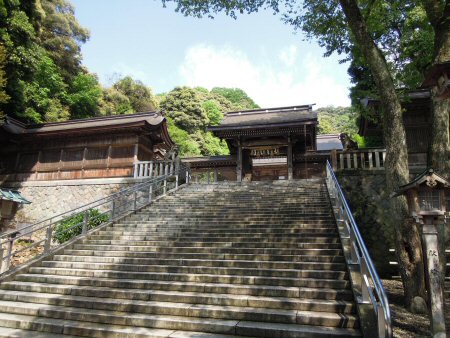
98, 147
417, 119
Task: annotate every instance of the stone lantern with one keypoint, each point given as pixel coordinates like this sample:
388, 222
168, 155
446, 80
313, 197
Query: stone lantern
426, 196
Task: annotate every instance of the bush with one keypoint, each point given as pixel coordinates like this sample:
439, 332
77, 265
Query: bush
73, 225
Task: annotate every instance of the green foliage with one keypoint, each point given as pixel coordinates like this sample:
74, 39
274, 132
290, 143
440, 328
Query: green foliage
213, 112
191, 110
237, 96
72, 226
368, 141
187, 146
61, 35
183, 105
337, 120
84, 97
115, 103
140, 96
44, 95
3, 96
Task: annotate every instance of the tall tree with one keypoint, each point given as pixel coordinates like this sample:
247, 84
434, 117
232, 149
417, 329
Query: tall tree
3, 96
140, 96
61, 35
438, 12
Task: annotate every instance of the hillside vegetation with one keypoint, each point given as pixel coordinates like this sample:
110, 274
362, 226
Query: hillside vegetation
43, 80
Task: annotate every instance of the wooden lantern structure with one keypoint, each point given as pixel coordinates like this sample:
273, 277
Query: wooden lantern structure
438, 77
426, 196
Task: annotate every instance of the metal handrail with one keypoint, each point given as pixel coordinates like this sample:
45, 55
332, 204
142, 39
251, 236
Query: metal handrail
372, 291
50, 233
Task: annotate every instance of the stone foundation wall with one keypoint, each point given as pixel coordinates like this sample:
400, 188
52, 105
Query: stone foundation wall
54, 197
366, 194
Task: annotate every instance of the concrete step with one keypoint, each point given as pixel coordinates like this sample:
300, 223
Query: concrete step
254, 260
331, 242
201, 278
204, 262
202, 295
313, 257
284, 308
56, 320
301, 248
189, 286
195, 270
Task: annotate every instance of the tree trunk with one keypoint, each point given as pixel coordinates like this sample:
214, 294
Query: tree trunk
407, 237
439, 152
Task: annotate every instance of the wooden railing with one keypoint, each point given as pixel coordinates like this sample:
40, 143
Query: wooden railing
365, 159
149, 169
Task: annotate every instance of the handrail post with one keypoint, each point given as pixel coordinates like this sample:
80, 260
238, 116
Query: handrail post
176, 181
48, 238
85, 222
165, 186
113, 207
9, 247
150, 194
2, 266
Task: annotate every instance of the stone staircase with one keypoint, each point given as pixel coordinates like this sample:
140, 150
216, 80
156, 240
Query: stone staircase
258, 260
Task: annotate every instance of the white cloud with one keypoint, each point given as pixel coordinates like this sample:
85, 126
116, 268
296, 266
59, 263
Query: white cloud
291, 79
288, 55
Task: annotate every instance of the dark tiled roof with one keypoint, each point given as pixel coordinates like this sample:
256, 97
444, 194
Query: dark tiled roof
265, 117
12, 195
329, 142
17, 127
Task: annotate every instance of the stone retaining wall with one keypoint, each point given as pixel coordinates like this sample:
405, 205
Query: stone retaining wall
366, 193
54, 197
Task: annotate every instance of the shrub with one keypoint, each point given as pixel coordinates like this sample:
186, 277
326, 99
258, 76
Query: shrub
73, 225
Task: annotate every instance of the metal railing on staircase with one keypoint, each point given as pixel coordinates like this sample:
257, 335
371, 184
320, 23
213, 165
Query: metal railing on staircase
370, 287
21, 246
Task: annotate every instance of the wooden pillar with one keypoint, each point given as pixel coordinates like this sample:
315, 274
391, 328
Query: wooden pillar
239, 162
334, 159
289, 160
136, 151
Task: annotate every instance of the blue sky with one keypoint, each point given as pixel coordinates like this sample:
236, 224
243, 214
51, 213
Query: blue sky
164, 49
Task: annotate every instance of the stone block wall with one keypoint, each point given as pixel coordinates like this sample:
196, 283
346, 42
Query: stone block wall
366, 194
50, 198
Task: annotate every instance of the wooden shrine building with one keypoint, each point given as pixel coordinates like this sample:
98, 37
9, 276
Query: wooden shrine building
417, 119
266, 144
100, 147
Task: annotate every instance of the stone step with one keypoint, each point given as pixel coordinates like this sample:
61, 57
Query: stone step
200, 295
190, 286
337, 272
156, 255
204, 262
233, 328
328, 248
312, 279
221, 233
217, 242
164, 304
192, 317
219, 226
254, 260
308, 250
